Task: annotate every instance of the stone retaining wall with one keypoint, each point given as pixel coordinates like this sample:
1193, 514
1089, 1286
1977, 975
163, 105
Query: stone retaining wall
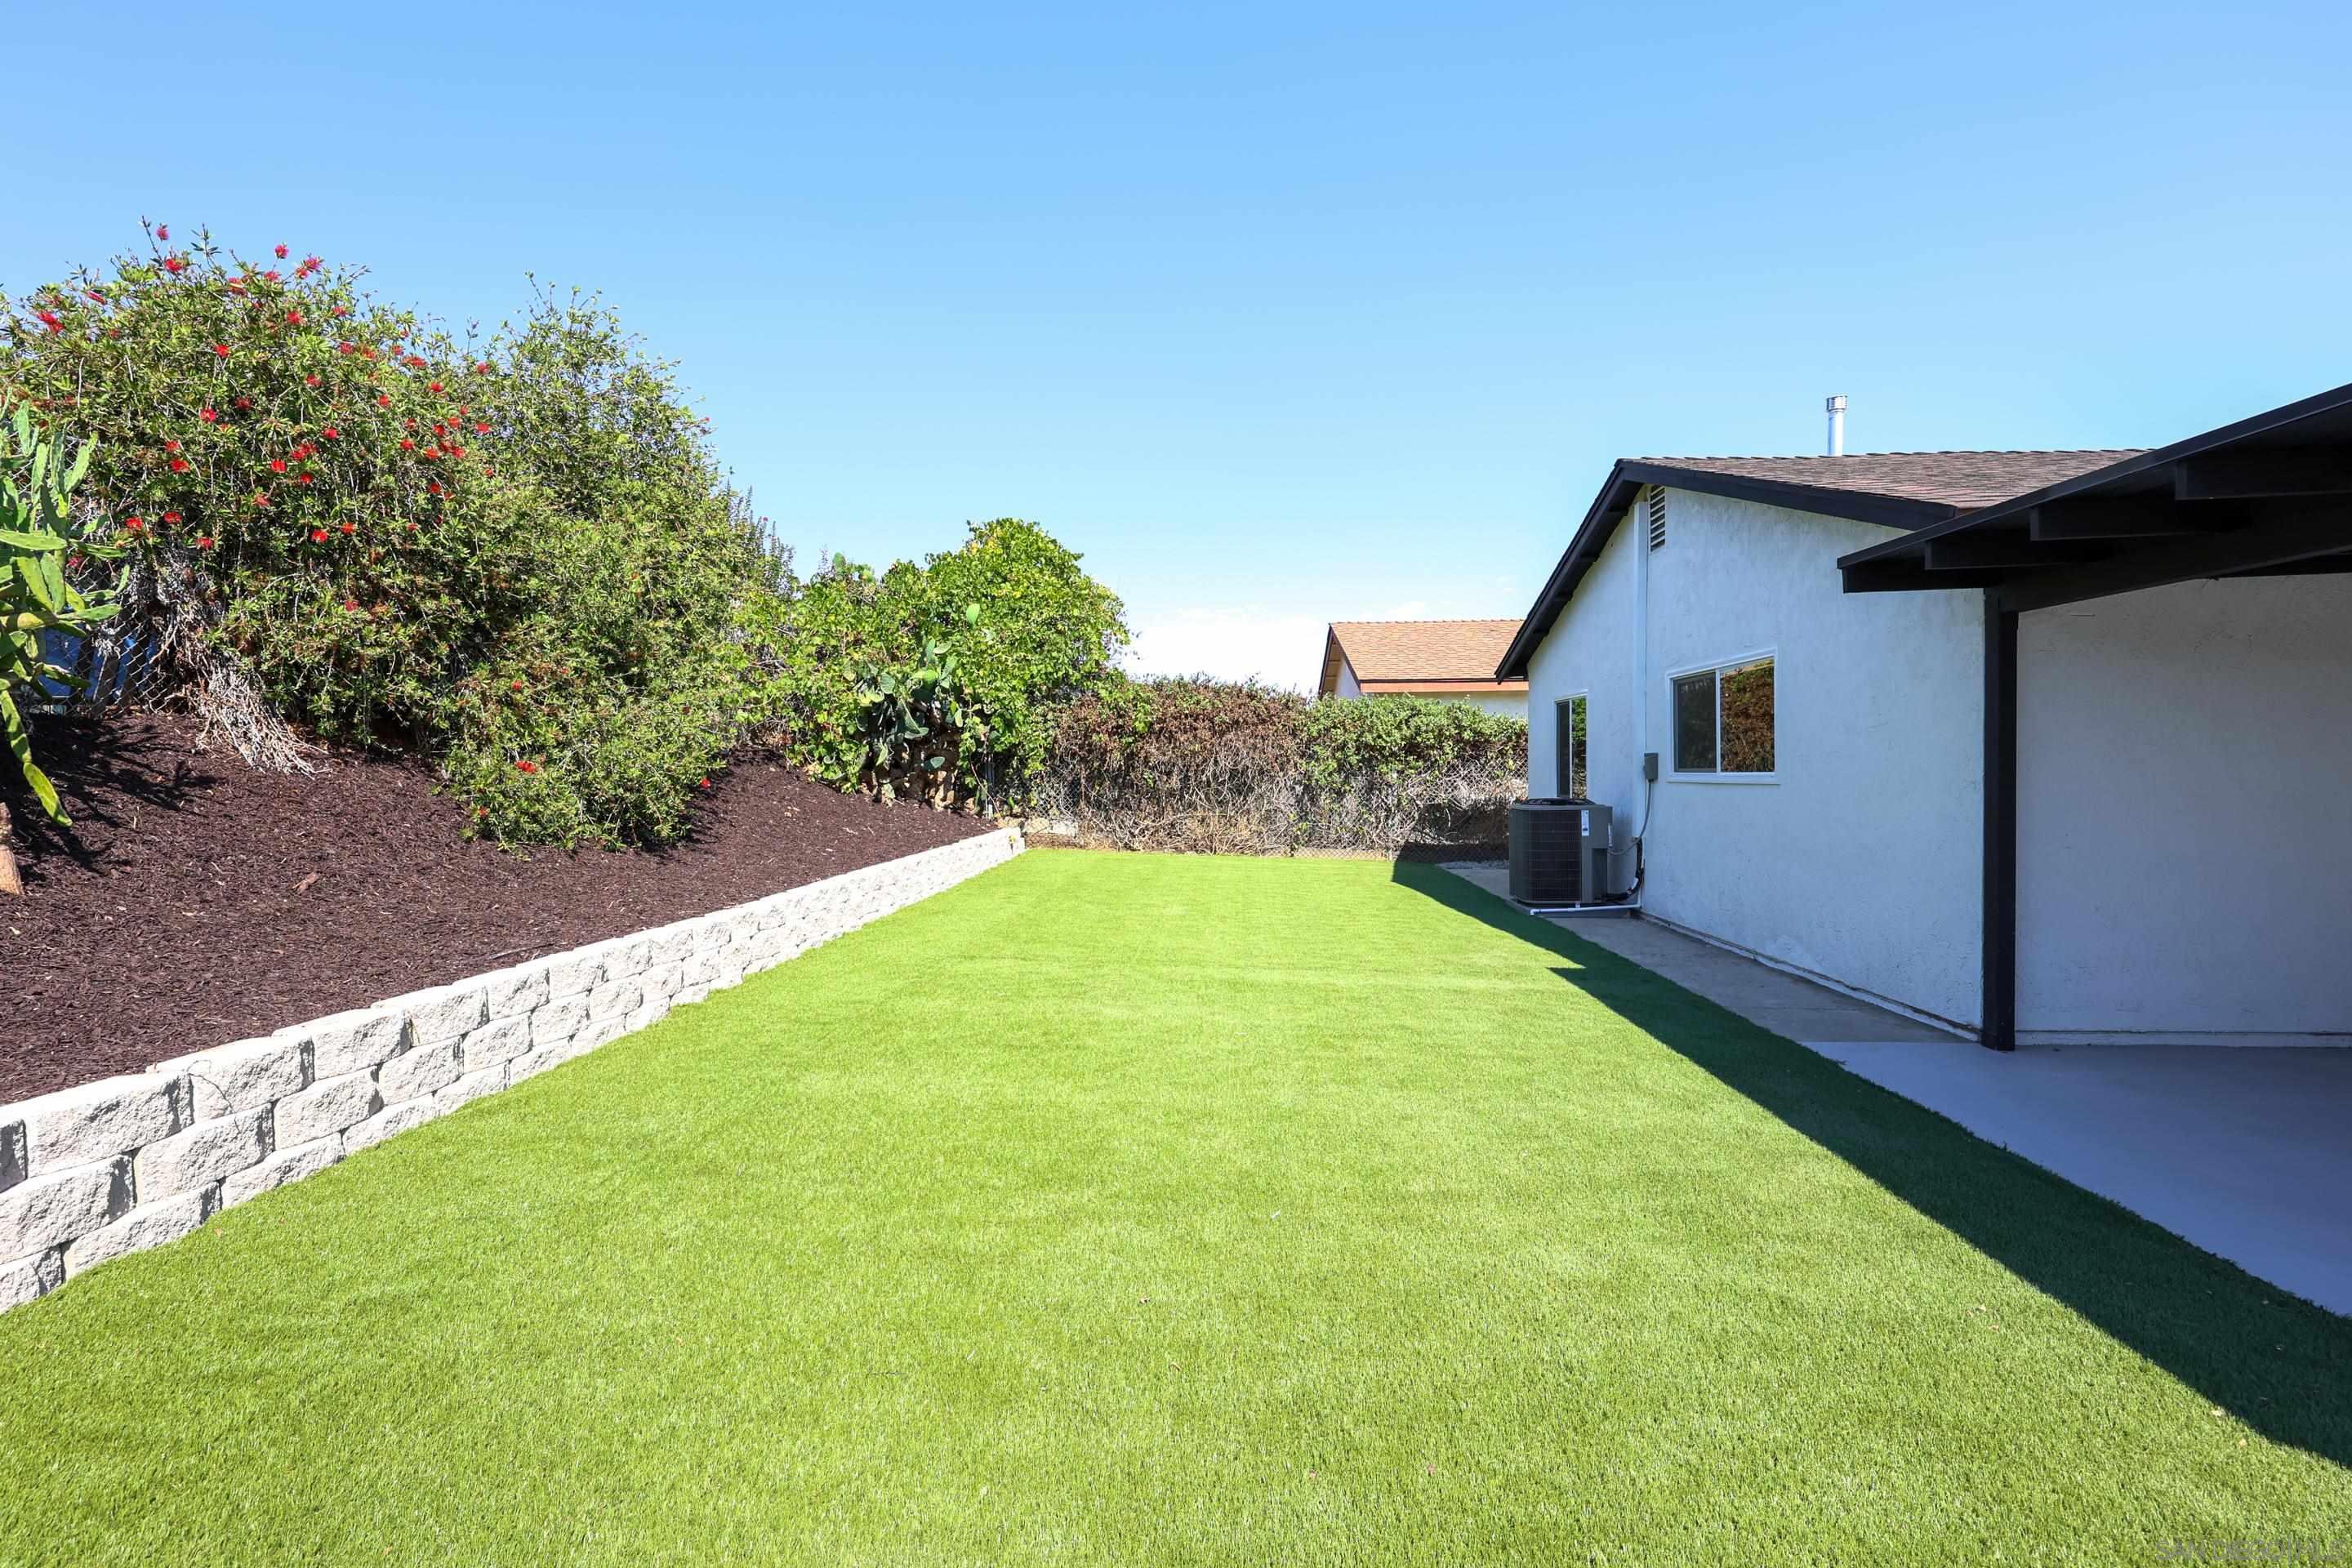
91, 1173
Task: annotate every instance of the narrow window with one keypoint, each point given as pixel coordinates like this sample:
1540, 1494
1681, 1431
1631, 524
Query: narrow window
1723, 720
1657, 516
1694, 722
1569, 752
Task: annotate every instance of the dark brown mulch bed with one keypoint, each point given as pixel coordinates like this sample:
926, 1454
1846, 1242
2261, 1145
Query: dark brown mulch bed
196, 901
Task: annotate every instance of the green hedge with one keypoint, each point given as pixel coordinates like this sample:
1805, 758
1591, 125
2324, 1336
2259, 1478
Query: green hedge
1202, 764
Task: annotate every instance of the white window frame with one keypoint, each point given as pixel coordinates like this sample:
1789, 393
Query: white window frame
1717, 667
1582, 695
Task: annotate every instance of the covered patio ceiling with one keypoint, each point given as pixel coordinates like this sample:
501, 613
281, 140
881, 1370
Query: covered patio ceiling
2268, 496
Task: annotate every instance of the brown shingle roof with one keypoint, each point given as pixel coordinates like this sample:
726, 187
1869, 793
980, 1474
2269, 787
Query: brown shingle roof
1964, 479
1422, 650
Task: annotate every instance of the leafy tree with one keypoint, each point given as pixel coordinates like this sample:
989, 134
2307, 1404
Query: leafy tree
1013, 609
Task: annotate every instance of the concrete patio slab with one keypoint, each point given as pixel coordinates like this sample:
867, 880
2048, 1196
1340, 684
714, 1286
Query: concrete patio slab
2246, 1153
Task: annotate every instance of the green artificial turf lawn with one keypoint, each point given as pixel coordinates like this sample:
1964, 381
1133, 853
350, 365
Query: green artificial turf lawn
1168, 1209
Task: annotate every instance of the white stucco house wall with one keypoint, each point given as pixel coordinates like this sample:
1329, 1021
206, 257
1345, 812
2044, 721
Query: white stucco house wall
2179, 840
1448, 661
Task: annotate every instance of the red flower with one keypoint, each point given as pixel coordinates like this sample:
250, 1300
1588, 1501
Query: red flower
204, 541
340, 311
351, 528
705, 783
318, 536
293, 318
245, 403
482, 427
261, 498
526, 766
178, 464
431, 453
518, 686
481, 810
483, 368
330, 432
136, 525
352, 604
162, 231
384, 400
172, 264
406, 445
310, 381
95, 295
276, 464
303, 478
437, 387
171, 516
281, 249
347, 348
208, 416
49, 318
439, 427
171, 446
271, 276
313, 263
434, 487
411, 528
221, 349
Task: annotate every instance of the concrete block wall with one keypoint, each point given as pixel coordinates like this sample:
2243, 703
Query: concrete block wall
91, 1173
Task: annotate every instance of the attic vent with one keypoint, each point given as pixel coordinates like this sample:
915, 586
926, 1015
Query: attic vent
1657, 516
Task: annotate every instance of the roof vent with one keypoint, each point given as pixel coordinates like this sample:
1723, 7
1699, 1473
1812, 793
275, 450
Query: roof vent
1837, 425
1657, 515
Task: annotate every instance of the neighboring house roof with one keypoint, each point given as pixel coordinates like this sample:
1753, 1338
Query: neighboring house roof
1419, 657
1895, 490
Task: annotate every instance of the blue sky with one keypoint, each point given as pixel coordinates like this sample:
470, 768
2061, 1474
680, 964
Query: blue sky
1281, 314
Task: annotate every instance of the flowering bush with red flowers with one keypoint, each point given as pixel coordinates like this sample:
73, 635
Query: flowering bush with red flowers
511, 548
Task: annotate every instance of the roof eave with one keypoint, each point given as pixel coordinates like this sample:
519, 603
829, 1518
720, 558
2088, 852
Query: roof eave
2145, 464
1626, 478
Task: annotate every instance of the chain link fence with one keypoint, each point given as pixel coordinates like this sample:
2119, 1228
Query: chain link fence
156, 652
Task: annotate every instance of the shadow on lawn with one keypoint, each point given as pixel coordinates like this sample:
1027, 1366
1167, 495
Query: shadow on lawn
2278, 1363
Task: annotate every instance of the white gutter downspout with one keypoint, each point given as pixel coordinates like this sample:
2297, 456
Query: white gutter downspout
1641, 676
1641, 627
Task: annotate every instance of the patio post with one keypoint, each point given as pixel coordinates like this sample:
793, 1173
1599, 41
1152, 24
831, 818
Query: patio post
1999, 989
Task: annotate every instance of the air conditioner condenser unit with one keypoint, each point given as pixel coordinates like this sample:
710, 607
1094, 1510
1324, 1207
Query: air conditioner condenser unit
1559, 853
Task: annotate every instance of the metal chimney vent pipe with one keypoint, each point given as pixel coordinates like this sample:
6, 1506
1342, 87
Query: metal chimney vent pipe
1837, 425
